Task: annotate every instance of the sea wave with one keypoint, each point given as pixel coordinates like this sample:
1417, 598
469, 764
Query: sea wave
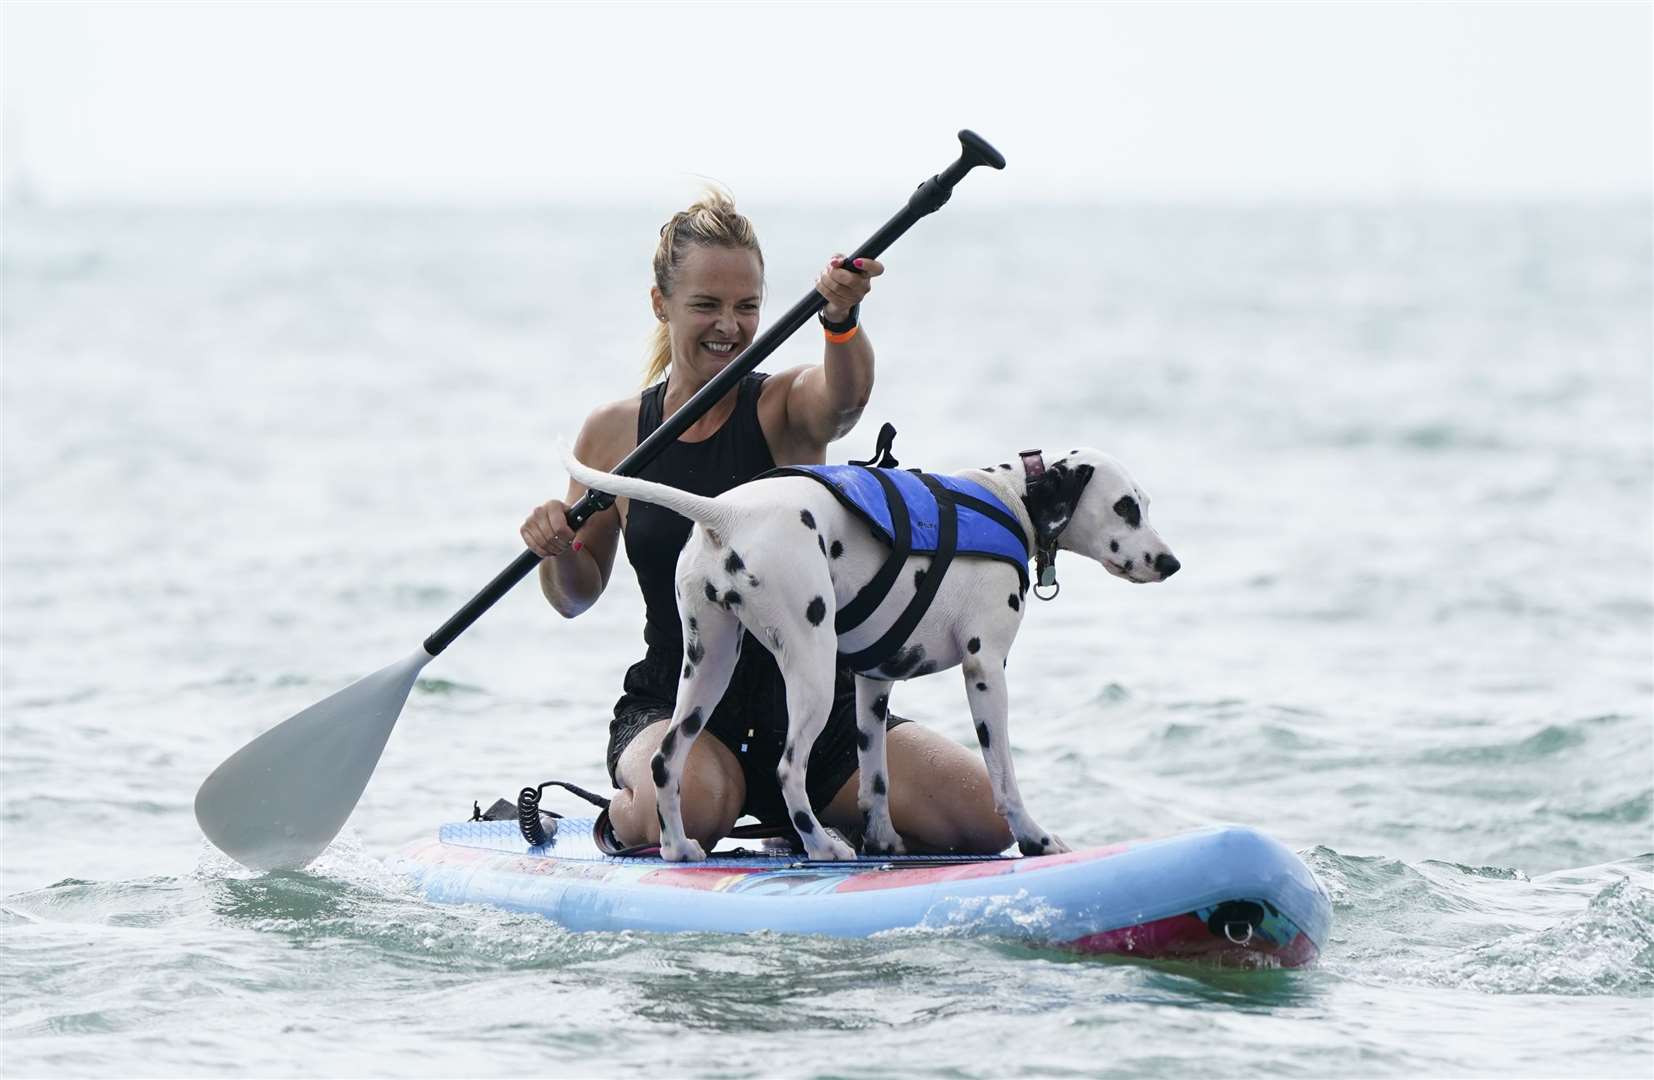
1490, 928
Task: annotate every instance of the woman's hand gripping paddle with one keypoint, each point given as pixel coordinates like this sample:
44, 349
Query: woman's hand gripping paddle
282, 798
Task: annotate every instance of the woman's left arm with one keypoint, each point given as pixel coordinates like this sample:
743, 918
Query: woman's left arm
825, 402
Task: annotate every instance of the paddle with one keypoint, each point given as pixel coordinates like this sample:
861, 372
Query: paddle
282, 798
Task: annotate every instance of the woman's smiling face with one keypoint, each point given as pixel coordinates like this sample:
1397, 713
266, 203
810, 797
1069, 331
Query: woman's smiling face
712, 314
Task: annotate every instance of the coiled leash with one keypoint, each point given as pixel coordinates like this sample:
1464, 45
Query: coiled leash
537, 832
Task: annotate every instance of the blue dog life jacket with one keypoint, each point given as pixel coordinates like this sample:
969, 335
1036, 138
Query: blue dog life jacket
915, 513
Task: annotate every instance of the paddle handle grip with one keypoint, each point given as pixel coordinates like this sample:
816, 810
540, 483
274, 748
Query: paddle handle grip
928, 198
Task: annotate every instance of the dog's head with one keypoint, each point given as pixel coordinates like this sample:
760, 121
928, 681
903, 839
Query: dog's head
1107, 515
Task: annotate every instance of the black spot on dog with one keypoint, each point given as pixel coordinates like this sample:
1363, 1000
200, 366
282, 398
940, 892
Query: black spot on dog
1016, 605
902, 664
692, 723
878, 784
881, 706
801, 822
982, 734
660, 820
981, 686
973, 645
1127, 508
731, 599
822, 541
711, 592
816, 611
658, 767
1126, 566
694, 650
693, 625
918, 578
1005, 465
807, 518
789, 754
864, 738
669, 743
1114, 546
1030, 849
836, 550
733, 564
688, 670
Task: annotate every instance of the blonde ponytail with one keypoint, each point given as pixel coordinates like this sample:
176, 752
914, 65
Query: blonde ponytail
660, 353
710, 221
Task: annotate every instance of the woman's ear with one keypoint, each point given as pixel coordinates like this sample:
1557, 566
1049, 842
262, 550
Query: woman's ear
657, 300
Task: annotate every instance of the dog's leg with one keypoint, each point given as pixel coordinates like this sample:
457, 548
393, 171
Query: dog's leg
711, 643
879, 836
808, 668
986, 690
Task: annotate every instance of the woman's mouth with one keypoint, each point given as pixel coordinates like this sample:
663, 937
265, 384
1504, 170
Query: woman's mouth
720, 348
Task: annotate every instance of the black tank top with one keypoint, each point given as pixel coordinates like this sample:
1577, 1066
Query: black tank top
654, 535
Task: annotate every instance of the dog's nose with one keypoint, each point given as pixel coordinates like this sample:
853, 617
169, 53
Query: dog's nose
1166, 564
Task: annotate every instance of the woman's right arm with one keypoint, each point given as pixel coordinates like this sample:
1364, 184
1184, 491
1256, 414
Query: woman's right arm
575, 567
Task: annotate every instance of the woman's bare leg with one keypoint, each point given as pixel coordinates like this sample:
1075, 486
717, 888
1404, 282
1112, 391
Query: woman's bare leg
713, 790
940, 797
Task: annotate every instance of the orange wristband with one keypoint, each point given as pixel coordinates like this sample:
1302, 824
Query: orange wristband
840, 339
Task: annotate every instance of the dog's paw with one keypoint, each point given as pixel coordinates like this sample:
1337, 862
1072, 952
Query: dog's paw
830, 847
1043, 844
882, 841
689, 850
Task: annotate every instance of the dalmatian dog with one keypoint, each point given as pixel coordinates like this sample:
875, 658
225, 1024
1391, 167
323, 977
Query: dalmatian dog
782, 554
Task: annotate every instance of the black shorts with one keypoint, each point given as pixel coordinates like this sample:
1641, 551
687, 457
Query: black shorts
752, 721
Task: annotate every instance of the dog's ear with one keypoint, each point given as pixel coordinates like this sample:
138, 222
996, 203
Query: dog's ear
1052, 498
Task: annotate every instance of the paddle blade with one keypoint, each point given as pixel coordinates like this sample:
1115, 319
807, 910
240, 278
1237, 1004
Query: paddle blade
278, 801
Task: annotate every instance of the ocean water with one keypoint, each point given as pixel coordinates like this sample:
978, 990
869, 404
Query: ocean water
1404, 452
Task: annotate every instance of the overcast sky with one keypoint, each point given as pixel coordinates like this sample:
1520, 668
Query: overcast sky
477, 102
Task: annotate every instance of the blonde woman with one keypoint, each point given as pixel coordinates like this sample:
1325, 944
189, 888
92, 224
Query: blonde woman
709, 282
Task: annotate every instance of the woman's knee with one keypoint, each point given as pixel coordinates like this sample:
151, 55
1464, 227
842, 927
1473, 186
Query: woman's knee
711, 791
941, 798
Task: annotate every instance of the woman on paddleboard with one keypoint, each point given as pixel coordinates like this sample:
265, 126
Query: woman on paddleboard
709, 283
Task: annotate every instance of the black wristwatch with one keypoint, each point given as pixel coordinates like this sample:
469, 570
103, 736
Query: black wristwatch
840, 327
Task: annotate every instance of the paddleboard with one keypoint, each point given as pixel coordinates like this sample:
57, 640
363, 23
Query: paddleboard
1229, 894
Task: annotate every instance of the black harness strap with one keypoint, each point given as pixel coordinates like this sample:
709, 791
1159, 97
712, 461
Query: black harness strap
947, 542
882, 457
855, 613
1006, 521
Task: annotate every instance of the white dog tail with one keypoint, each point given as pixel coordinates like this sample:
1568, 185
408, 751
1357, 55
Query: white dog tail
697, 508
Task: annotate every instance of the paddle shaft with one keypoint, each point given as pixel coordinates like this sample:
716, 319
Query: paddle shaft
930, 197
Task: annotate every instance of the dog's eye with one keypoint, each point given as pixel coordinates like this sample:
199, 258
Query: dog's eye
1127, 509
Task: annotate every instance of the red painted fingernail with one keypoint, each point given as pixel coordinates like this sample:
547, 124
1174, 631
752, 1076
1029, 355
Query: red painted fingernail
578, 544
858, 264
